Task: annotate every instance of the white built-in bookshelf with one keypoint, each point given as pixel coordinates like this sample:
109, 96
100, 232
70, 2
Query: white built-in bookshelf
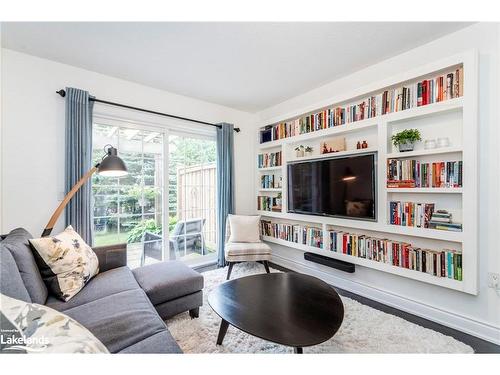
454, 118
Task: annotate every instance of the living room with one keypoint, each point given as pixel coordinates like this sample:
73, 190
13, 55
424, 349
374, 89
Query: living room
328, 187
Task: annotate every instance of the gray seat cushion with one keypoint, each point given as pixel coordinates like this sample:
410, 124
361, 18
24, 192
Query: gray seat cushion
102, 285
119, 320
11, 282
166, 281
17, 243
162, 342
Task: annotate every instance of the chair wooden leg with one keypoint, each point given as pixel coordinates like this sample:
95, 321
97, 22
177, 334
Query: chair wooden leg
230, 268
266, 266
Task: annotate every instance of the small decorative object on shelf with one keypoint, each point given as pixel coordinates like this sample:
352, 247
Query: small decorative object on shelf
430, 144
443, 142
444, 263
299, 151
364, 144
308, 151
358, 145
406, 139
333, 145
278, 200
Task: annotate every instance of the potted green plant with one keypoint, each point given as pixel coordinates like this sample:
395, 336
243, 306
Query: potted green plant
405, 140
308, 150
299, 151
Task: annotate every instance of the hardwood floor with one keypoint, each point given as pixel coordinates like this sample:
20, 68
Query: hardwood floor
479, 345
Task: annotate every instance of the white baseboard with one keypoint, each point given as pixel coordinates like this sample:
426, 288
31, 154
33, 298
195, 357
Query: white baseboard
467, 325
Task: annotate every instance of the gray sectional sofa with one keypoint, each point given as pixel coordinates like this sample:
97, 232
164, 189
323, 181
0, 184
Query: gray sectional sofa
125, 309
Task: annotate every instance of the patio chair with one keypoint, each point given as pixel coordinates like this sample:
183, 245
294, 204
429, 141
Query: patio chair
193, 239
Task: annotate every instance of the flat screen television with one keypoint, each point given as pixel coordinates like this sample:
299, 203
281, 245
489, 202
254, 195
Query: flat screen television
338, 186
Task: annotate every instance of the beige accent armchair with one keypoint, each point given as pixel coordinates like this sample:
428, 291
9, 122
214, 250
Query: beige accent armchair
237, 252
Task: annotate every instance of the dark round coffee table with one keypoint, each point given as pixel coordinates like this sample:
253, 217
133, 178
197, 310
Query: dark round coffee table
290, 309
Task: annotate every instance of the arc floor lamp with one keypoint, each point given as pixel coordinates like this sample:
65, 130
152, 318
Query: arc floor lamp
111, 166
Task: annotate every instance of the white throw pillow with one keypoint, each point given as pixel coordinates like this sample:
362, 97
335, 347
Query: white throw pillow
33, 328
66, 262
244, 228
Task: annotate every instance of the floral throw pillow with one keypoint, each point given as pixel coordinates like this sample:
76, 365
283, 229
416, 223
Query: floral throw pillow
66, 262
32, 328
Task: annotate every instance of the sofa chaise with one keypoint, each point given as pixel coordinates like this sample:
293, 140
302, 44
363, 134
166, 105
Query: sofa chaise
125, 309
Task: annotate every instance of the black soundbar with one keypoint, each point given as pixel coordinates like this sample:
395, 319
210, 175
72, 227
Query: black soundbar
330, 262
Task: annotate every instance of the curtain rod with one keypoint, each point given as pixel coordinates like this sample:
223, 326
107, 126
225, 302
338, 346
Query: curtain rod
63, 94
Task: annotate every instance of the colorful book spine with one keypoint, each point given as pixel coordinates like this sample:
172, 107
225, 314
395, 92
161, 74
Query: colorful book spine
270, 159
445, 263
270, 181
413, 173
437, 89
410, 214
300, 234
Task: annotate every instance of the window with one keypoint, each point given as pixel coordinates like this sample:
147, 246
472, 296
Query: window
132, 210
191, 194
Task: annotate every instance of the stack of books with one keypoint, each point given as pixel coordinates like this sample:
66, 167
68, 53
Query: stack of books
270, 182
444, 263
410, 214
428, 91
305, 235
441, 220
265, 203
270, 159
413, 173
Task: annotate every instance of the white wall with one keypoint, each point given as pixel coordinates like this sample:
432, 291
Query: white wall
32, 148
480, 314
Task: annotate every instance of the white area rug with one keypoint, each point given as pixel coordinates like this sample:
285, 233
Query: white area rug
364, 329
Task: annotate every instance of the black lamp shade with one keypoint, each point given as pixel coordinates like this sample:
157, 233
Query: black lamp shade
112, 165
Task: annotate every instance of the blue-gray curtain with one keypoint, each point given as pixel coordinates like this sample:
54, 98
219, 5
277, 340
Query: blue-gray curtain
225, 184
78, 212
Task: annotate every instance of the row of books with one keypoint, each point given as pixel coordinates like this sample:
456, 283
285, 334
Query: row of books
300, 234
265, 203
413, 173
441, 219
410, 214
428, 91
270, 181
444, 263
269, 159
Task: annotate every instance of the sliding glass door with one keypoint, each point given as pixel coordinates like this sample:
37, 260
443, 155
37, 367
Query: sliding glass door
130, 209
133, 210
191, 198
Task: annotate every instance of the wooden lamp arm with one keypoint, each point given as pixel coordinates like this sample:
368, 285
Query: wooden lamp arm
65, 201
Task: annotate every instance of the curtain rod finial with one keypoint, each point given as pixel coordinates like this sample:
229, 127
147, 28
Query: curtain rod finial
61, 92
237, 130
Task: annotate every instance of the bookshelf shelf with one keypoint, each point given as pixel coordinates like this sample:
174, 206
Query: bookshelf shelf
436, 234
269, 169
426, 190
454, 118
435, 151
269, 189
416, 275
336, 130
333, 154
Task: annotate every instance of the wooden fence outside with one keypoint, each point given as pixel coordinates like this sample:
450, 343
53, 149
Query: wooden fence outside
196, 189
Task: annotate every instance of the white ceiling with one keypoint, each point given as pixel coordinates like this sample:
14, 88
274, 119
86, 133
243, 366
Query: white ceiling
248, 66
